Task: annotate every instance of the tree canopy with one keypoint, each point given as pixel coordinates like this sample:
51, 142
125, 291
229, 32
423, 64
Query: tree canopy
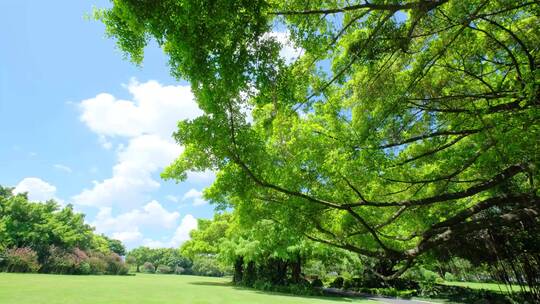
42, 226
401, 126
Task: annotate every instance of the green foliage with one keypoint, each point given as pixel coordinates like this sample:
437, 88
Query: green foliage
207, 266
40, 226
53, 239
296, 289
115, 265
317, 283
20, 260
97, 265
66, 262
163, 269
402, 128
337, 283
116, 246
449, 277
206, 239
76, 261
149, 267
169, 257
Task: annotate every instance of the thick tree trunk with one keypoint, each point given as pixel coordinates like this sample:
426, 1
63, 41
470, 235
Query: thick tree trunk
250, 274
296, 270
238, 270
280, 277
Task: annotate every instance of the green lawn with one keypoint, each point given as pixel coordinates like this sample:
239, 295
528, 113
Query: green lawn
487, 286
162, 289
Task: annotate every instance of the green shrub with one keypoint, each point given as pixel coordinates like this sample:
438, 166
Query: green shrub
85, 268
97, 265
148, 267
449, 277
263, 285
390, 292
303, 288
115, 265
21, 260
64, 262
337, 283
179, 270
425, 275
317, 283
207, 266
164, 269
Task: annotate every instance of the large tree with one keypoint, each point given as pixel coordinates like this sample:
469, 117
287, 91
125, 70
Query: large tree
402, 124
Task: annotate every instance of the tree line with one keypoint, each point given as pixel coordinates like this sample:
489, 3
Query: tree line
48, 238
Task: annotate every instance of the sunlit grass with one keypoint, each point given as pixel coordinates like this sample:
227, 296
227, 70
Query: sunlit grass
487, 286
141, 288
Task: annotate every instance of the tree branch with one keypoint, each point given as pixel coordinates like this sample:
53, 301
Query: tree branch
422, 5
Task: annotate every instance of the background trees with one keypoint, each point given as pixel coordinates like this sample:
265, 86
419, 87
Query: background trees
45, 237
403, 126
170, 260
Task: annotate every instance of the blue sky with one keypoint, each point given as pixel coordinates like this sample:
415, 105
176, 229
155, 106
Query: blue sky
82, 125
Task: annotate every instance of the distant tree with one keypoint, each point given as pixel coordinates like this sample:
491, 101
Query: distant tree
149, 267
116, 246
140, 255
170, 257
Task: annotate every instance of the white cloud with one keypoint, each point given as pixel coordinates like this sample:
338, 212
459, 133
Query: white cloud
148, 123
132, 175
155, 109
37, 189
181, 234
139, 132
195, 197
127, 236
172, 198
127, 226
63, 168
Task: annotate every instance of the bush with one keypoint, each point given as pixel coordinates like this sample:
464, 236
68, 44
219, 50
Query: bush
63, 262
97, 265
449, 277
85, 268
390, 292
164, 269
115, 265
149, 267
356, 283
179, 270
317, 283
21, 260
337, 283
297, 289
207, 266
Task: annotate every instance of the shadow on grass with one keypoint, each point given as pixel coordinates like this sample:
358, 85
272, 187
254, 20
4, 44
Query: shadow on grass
329, 298
223, 284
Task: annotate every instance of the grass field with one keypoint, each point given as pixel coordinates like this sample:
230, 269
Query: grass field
488, 286
162, 289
